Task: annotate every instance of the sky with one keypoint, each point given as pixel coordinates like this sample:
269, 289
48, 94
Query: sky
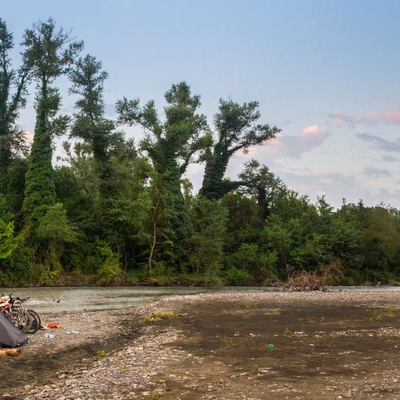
326, 72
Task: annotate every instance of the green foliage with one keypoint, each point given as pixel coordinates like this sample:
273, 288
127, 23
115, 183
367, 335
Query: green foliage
236, 130
257, 264
156, 315
109, 271
18, 269
382, 238
237, 276
206, 244
120, 212
171, 145
7, 241
55, 226
12, 100
49, 53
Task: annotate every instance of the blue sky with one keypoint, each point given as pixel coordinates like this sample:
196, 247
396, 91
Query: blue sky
325, 72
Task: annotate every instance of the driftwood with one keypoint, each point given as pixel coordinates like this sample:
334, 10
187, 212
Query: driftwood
305, 280
317, 279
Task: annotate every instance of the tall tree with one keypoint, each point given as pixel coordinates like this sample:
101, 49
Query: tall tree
237, 130
50, 52
12, 99
91, 125
172, 145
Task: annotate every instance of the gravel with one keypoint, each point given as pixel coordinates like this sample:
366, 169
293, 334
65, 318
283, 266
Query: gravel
116, 355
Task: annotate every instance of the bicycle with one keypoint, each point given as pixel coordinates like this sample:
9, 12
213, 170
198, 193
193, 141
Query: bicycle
17, 315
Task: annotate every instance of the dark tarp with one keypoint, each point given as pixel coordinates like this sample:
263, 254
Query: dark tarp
10, 336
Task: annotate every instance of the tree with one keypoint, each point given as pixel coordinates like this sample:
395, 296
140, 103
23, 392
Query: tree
381, 244
258, 181
237, 130
90, 125
171, 145
55, 230
206, 244
12, 99
50, 53
99, 134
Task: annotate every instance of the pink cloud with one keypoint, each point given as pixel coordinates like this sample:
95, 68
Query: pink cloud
313, 131
295, 146
342, 119
389, 117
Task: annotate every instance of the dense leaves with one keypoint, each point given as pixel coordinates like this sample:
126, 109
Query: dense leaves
122, 212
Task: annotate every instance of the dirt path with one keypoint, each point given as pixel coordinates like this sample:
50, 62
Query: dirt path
247, 346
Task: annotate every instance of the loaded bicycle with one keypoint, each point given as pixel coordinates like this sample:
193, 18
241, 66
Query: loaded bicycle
26, 320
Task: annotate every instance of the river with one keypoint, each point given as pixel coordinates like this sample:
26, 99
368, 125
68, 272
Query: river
55, 299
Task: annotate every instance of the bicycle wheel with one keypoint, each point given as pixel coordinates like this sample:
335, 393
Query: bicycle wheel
36, 322
21, 319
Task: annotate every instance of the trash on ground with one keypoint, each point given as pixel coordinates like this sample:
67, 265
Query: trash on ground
49, 336
52, 325
72, 332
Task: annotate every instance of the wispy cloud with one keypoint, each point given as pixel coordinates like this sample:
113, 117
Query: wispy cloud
380, 143
371, 118
335, 186
342, 119
390, 117
377, 173
386, 158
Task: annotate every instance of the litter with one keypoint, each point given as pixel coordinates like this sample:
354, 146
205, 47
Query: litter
51, 325
73, 332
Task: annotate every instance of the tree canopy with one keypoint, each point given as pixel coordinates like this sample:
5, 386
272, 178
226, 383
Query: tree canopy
123, 211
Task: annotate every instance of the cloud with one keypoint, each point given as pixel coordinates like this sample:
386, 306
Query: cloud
371, 118
389, 159
342, 119
380, 143
377, 173
337, 187
334, 186
295, 146
390, 117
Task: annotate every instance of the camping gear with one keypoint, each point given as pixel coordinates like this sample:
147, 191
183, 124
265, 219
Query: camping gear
10, 336
12, 308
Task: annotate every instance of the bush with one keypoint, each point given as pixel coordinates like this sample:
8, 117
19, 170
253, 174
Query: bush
235, 276
109, 270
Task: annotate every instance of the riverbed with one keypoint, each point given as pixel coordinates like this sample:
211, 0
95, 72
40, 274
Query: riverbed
58, 299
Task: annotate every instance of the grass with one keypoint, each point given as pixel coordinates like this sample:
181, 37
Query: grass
157, 315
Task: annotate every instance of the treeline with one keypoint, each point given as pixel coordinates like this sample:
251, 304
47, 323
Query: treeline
122, 212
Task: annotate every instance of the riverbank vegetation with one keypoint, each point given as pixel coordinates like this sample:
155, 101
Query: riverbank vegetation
121, 212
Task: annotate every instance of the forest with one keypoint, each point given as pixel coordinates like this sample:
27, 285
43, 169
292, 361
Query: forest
117, 211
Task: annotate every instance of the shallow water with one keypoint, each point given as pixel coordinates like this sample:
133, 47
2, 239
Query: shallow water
55, 299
